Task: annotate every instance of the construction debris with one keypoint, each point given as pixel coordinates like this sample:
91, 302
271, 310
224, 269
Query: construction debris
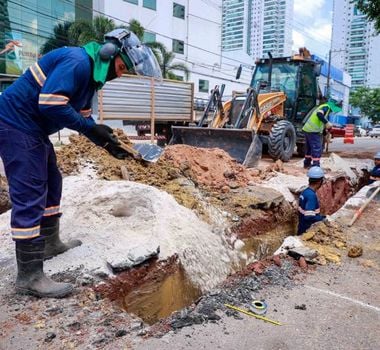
355, 251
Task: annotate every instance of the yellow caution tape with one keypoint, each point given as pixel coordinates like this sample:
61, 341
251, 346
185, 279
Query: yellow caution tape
254, 315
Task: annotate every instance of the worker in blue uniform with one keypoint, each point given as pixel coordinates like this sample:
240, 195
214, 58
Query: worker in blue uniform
315, 123
375, 172
309, 211
56, 93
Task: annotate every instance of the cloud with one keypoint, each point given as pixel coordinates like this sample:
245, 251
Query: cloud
307, 8
298, 40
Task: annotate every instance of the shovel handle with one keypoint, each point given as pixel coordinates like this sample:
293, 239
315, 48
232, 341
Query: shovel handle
360, 211
130, 150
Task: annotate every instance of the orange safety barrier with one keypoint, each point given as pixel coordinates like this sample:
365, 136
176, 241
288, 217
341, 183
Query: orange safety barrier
349, 134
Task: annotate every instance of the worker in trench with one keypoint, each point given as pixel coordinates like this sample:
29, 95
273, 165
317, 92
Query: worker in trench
315, 122
308, 207
56, 93
374, 175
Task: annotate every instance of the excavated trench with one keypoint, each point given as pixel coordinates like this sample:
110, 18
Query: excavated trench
155, 290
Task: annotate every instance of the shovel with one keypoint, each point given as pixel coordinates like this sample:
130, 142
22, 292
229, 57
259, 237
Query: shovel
148, 152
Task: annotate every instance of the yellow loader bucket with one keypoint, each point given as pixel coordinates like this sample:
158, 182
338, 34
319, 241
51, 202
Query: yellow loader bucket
236, 142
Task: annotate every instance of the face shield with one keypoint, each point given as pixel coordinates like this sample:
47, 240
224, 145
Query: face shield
144, 62
142, 58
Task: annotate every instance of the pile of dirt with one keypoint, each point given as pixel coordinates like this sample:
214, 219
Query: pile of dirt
5, 203
328, 239
333, 194
212, 167
180, 170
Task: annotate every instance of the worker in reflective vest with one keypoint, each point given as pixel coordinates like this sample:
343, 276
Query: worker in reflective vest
313, 128
56, 93
308, 208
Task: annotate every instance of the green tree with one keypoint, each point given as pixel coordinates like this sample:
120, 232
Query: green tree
165, 60
136, 27
368, 100
58, 39
371, 8
83, 31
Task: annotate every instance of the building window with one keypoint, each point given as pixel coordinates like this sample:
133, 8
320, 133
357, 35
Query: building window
150, 4
203, 85
135, 2
149, 37
178, 10
178, 46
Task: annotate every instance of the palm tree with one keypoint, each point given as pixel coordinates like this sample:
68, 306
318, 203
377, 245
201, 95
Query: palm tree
60, 38
83, 31
136, 27
165, 59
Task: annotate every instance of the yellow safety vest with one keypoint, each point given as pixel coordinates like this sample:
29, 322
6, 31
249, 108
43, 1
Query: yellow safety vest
313, 123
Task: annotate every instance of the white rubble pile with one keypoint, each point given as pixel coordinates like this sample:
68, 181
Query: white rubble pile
122, 223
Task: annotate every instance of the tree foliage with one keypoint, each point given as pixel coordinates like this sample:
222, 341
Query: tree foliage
81, 32
165, 60
58, 39
368, 100
371, 8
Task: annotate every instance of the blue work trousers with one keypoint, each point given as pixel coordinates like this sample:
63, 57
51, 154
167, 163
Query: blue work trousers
35, 183
313, 149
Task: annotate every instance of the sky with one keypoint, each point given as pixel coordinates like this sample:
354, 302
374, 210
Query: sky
312, 24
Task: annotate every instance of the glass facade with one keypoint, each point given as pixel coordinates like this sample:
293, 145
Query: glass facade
26, 25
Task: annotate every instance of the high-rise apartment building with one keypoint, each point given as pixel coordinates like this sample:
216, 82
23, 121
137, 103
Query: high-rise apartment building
277, 27
355, 47
256, 27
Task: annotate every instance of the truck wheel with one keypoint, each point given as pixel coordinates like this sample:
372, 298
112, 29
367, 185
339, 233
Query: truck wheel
282, 140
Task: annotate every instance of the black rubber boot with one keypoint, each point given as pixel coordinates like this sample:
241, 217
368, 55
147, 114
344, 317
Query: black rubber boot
53, 244
30, 275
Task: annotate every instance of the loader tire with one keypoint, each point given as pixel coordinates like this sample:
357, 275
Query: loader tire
282, 140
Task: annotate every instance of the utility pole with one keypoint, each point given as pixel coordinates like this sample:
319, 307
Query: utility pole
329, 72
328, 76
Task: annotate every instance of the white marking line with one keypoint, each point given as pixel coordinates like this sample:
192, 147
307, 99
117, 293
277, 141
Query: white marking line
345, 298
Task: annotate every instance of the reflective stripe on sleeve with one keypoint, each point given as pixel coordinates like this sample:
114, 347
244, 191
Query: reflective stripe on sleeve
51, 99
51, 211
25, 233
38, 74
309, 212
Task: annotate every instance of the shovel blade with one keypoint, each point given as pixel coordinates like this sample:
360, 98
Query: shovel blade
236, 142
149, 152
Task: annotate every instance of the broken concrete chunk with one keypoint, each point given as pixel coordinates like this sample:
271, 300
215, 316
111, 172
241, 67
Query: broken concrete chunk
306, 252
134, 257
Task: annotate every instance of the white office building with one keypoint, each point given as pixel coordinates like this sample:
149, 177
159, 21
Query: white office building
355, 48
190, 29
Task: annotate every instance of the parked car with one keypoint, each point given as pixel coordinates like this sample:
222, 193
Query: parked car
375, 132
359, 131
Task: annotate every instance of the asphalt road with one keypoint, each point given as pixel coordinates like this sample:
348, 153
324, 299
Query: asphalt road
361, 144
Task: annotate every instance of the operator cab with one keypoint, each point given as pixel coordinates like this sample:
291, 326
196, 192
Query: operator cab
296, 77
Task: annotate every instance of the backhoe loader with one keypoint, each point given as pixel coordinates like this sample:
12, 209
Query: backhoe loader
282, 91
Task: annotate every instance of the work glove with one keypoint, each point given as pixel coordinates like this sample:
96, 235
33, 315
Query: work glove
116, 151
328, 125
103, 136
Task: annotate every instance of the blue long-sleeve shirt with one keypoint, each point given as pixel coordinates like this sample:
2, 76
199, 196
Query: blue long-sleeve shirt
54, 93
374, 174
309, 211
